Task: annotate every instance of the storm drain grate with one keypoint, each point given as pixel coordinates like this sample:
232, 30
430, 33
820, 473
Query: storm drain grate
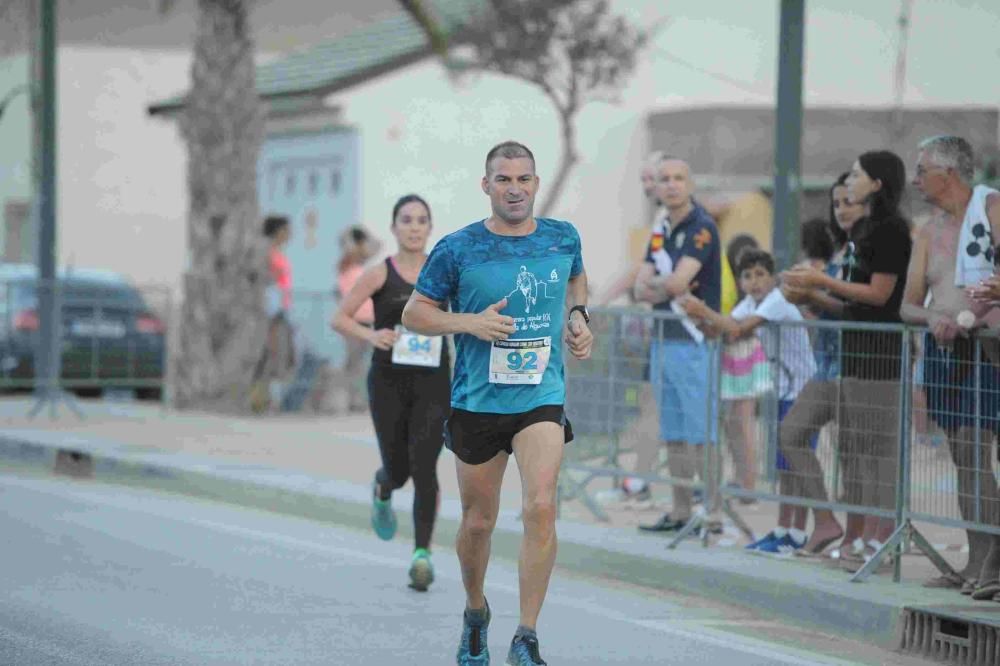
949, 640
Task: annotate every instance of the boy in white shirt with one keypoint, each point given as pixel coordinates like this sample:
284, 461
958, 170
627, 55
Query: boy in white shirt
795, 366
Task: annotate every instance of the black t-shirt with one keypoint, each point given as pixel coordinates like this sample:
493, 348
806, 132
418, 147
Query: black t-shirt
875, 246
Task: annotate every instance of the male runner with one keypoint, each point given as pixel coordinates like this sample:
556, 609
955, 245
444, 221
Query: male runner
508, 389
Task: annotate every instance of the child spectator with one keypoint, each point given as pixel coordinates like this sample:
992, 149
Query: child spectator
795, 365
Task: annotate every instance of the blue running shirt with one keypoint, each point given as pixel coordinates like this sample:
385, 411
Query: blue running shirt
474, 268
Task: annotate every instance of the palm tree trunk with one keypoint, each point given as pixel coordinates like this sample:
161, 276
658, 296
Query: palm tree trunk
223, 322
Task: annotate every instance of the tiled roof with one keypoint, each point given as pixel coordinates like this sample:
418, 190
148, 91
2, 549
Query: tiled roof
375, 49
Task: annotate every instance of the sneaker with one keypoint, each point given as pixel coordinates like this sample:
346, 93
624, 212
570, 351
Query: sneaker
785, 546
664, 524
383, 517
524, 652
763, 541
421, 570
473, 649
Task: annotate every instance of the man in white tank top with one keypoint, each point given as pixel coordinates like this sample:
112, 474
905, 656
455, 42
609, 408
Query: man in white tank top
954, 250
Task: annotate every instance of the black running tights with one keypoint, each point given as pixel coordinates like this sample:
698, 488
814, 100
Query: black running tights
409, 408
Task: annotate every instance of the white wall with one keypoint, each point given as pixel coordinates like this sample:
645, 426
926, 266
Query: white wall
122, 192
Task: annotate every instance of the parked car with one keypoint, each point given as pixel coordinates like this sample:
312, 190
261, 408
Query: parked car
110, 337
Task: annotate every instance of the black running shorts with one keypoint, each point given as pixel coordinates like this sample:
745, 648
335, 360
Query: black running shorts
477, 437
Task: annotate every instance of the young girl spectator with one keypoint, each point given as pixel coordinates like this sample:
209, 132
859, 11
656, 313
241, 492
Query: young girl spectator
793, 367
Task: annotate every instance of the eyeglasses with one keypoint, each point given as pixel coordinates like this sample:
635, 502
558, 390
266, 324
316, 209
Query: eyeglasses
922, 170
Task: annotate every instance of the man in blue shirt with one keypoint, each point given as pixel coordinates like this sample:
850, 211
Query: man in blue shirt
683, 257
508, 280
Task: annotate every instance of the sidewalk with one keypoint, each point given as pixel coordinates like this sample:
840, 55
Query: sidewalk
322, 467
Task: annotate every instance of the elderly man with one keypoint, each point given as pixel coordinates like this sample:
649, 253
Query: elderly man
683, 257
943, 176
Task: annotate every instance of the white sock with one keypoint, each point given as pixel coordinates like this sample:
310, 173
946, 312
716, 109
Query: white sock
779, 532
798, 536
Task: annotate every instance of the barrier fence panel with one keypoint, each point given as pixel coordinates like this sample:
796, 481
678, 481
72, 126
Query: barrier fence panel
614, 402
812, 414
955, 482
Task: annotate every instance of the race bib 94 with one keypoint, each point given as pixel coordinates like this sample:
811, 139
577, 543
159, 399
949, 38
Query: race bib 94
519, 361
414, 349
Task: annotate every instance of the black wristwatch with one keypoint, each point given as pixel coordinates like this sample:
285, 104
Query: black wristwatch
582, 309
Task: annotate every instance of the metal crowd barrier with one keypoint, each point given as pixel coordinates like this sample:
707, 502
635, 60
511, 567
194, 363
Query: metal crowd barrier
828, 430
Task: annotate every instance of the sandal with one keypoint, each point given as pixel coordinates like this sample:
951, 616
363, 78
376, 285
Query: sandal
969, 586
872, 547
986, 591
818, 549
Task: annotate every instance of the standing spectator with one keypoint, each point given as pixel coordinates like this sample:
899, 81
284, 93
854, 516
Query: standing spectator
357, 247
632, 343
745, 377
794, 362
622, 284
684, 256
942, 263
825, 247
278, 356
871, 290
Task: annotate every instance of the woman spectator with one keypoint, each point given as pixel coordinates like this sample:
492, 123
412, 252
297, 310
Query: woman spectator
871, 364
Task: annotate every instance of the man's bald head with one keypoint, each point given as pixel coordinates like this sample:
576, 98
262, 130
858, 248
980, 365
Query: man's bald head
674, 184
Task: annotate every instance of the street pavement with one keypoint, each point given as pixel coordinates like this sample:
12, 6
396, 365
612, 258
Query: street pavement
321, 467
101, 574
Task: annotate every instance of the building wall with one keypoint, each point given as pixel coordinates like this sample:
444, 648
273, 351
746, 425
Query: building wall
121, 196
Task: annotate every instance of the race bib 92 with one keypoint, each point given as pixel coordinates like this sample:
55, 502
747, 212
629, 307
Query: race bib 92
519, 361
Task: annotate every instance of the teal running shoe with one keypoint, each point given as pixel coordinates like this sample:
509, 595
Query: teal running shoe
421, 570
473, 649
383, 517
524, 652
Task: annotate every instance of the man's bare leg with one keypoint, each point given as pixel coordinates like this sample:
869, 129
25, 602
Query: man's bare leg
479, 486
538, 450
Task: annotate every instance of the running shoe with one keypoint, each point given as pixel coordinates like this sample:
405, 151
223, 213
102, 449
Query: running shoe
786, 546
473, 649
421, 570
763, 541
524, 652
383, 517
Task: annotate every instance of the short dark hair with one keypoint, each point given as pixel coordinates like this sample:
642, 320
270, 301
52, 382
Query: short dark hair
755, 257
273, 224
737, 245
510, 150
409, 198
816, 240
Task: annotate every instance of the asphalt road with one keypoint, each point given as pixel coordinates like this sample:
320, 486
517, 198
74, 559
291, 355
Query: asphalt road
101, 575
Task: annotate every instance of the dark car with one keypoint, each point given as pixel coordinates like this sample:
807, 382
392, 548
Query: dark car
110, 337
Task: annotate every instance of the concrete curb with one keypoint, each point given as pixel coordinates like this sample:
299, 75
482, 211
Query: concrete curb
803, 594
